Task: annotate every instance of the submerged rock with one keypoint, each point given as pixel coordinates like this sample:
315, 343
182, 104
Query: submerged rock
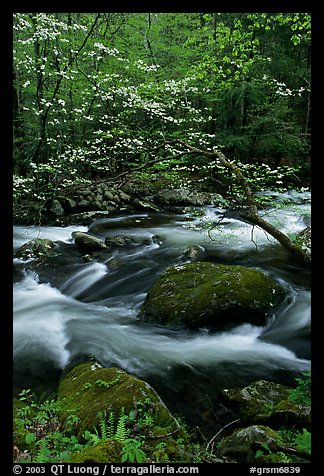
208, 294
119, 241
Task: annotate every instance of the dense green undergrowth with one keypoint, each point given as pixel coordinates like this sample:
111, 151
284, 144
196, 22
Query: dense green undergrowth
40, 437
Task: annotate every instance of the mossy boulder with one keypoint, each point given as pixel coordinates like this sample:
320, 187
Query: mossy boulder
208, 294
289, 413
241, 444
259, 444
36, 247
266, 403
107, 451
258, 398
88, 389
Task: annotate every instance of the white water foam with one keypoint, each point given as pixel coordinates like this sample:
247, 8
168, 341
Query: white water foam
39, 324
84, 279
58, 327
22, 234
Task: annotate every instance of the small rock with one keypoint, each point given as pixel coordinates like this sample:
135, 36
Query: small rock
193, 253
119, 241
56, 208
87, 242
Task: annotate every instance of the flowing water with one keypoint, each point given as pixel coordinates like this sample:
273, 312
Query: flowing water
80, 308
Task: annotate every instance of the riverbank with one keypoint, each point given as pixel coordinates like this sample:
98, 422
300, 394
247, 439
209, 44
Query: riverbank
83, 203
104, 415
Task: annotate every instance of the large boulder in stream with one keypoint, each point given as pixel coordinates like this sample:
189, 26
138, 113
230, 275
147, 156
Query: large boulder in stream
208, 294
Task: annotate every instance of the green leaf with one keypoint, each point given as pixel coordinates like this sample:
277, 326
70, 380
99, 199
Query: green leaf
30, 438
303, 441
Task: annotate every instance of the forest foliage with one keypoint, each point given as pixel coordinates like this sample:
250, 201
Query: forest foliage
98, 93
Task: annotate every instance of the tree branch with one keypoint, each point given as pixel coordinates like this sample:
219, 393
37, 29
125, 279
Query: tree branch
250, 213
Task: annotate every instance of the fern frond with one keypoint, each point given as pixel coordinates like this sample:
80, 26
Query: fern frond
111, 425
103, 426
121, 430
43, 453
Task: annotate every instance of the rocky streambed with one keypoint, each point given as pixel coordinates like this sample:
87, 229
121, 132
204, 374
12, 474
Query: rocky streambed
166, 311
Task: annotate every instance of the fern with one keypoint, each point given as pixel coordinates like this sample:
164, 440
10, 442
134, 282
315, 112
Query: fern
104, 430
91, 437
303, 441
43, 454
121, 430
105, 384
111, 425
109, 428
302, 393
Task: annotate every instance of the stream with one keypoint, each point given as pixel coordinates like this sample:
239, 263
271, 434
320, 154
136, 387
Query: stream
91, 307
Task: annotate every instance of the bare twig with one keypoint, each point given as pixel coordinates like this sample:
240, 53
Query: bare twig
219, 432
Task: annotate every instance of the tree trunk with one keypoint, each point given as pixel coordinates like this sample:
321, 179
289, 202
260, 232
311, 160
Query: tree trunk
57, 88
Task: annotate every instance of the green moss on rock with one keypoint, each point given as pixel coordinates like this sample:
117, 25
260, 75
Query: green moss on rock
259, 397
199, 294
36, 247
240, 445
107, 451
289, 413
89, 389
